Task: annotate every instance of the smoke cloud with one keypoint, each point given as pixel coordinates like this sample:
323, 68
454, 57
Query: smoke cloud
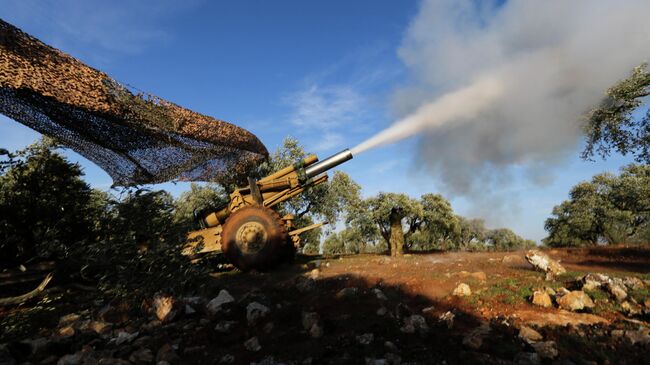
498, 86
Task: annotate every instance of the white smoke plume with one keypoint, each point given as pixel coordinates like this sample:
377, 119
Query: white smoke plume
502, 85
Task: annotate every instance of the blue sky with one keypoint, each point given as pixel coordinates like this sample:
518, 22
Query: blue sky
324, 72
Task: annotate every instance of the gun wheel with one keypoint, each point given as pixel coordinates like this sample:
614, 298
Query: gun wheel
254, 237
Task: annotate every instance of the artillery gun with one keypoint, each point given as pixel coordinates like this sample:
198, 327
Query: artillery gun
249, 232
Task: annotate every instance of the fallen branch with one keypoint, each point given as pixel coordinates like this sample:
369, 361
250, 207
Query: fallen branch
25, 297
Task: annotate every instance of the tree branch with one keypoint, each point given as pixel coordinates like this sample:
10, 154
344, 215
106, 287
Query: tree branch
25, 297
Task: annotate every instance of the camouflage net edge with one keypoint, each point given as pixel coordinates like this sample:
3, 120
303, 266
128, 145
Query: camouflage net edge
135, 138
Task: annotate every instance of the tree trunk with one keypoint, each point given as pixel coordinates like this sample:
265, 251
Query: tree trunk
396, 240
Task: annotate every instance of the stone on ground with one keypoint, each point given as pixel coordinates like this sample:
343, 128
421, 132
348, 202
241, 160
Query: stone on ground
164, 307
462, 290
530, 335
575, 301
215, 304
545, 263
255, 312
542, 299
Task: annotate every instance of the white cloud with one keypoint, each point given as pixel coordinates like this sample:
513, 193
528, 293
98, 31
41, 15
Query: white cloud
325, 107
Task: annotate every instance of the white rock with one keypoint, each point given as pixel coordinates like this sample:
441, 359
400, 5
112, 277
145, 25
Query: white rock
214, 306
379, 294
252, 344
366, 338
415, 323
309, 319
125, 337
462, 290
255, 312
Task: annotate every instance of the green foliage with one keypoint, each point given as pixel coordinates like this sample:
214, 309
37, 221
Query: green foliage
503, 239
126, 244
387, 213
347, 241
610, 208
439, 228
471, 233
200, 198
325, 202
45, 207
612, 125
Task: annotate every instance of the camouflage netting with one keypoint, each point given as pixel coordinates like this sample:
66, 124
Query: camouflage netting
137, 139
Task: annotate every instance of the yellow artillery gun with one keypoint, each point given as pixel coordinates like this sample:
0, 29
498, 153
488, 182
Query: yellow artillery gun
249, 232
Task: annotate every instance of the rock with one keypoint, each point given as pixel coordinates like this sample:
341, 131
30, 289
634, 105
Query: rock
227, 359
630, 309
310, 322
647, 303
66, 331
304, 285
543, 262
164, 307
474, 339
68, 319
255, 312
390, 346
125, 337
314, 274
167, 354
99, 327
189, 310
527, 358
415, 323
575, 301
617, 289
550, 291
542, 299
529, 335
447, 318
633, 283
594, 281
546, 350
72, 359
641, 336
379, 294
462, 290
366, 338
617, 333
316, 331
347, 293
225, 326
37, 346
560, 292
142, 355
111, 314
309, 319
252, 344
214, 306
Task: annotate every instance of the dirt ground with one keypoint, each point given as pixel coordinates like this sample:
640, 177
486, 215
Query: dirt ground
362, 309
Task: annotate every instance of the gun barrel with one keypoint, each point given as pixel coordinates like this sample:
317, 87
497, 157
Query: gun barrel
328, 163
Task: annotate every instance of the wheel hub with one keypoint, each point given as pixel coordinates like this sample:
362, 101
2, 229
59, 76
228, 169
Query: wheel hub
251, 237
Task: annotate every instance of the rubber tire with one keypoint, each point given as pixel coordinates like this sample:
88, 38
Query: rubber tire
272, 252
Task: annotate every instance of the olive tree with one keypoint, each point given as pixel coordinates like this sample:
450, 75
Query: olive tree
389, 213
609, 208
613, 125
439, 224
